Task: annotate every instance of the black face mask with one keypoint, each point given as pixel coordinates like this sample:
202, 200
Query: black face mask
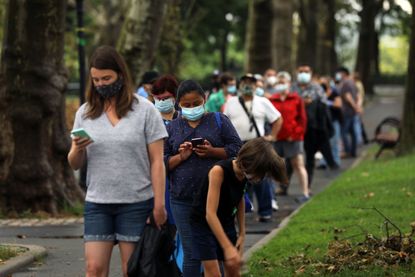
324, 87
108, 91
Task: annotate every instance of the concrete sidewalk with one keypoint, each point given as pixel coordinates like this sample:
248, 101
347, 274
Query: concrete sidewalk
62, 238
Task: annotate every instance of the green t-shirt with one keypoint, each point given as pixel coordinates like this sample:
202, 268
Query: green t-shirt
215, 102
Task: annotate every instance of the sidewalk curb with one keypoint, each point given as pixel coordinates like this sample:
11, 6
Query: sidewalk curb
26, 258
247, 255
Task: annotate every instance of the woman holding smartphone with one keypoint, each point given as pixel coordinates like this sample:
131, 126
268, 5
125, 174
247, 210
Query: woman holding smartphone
125, 169
188, 165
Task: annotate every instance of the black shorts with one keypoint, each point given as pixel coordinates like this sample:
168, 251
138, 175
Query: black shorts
205, 246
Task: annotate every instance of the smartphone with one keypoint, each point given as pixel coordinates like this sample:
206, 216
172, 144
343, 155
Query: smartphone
197, 141
80, 132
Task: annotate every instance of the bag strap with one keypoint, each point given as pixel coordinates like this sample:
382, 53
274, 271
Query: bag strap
250, 116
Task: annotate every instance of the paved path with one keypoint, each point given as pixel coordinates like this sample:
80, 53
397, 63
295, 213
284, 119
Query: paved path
63, 237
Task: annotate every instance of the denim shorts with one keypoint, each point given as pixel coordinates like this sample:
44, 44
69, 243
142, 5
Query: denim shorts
115, 222
205, 246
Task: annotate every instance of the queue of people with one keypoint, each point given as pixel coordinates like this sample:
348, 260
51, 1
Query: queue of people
189, 157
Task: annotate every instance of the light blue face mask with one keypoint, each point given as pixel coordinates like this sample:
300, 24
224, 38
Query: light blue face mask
338, 76
164, 106
281, 88
231, 89
193, 114
259, 91
304, 77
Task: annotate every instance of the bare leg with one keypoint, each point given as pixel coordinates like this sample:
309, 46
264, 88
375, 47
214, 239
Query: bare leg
211, 268
97, 258
297, 163
126, 249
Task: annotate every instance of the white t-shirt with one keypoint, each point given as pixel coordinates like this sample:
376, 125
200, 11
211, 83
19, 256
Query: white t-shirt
118, 169
260, 107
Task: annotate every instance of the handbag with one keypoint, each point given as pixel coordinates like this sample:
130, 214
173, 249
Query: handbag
152, 256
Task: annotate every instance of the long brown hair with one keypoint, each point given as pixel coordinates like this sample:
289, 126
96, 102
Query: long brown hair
259, 158
106, 57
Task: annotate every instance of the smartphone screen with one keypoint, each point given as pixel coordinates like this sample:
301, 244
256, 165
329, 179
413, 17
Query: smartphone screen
197, 141
80, 133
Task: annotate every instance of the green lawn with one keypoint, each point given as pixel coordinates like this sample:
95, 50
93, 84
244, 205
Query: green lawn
7, 252
340, 210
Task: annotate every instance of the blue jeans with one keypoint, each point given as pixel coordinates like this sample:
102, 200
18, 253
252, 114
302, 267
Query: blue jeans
348, 129
181, 213
334, 144
357, 125
263, 192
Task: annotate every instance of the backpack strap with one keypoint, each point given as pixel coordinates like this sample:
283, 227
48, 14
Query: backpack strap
218, 120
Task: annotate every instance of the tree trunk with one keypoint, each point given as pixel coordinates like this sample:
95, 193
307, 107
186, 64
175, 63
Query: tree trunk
39, 177
326, 52
223, 49
366, 55
258, 38
109, 17
140, 36
407, 142
308, 34
282, 26
171, 41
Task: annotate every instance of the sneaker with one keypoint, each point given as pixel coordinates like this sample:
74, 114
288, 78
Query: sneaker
274, 205
264, 218
302, 199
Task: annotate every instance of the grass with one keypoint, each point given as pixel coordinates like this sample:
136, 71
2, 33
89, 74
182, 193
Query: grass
340, 210
8, 252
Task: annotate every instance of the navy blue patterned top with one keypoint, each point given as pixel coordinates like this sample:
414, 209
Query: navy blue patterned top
188, 176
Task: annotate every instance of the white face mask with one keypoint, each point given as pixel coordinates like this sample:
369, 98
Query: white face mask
271, 80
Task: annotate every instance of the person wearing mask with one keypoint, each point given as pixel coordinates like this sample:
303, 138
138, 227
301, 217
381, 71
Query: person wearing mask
217, 101
197, 140
248, 113
350, 108
259, 91
124, 156
319, 126
164, 92
335, 105
290, 139
359, 128
221, 199
146, 84
270, 79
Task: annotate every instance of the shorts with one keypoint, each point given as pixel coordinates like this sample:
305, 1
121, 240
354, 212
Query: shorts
289, 149
115, 222
205, 246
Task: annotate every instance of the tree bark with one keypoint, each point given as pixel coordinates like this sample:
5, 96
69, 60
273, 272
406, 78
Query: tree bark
258, 38
326, 52
407, 141
38, 177
109, 17
140, 36
308, 34
282, 26
366, 55
171, 41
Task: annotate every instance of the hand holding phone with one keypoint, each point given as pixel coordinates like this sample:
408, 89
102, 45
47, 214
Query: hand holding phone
197, 141
80, 132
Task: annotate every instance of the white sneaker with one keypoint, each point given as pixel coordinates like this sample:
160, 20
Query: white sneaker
274, 205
